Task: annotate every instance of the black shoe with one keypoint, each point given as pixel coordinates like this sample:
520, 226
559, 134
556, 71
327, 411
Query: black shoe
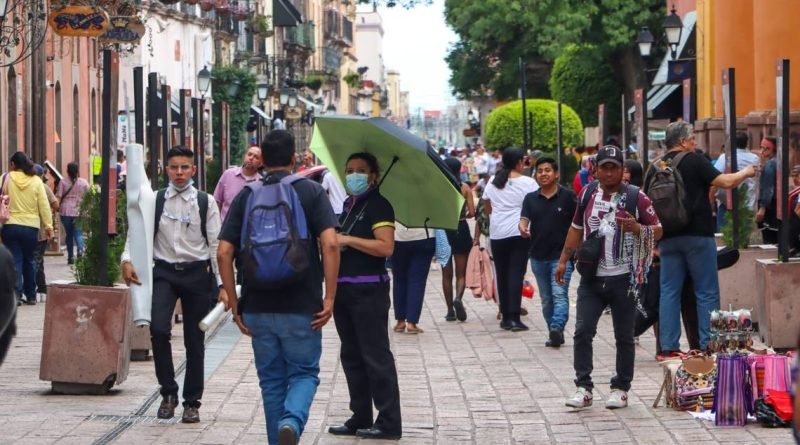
70, 261
377, 433
287, 435
517, 326
505, 324
451, 316
458, 305
191, 414
31, 301
341, 430
167, 408
556, 339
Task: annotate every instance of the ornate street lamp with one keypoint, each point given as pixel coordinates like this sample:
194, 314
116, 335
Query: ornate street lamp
645, 41
284, 97
203, 80
233, 88
672, 28
262, 90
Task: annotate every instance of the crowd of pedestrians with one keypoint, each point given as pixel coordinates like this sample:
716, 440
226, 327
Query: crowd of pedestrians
336, 239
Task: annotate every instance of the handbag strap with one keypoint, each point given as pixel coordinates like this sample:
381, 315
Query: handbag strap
68, 190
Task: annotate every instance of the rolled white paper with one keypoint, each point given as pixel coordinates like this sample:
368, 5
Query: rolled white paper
212, 316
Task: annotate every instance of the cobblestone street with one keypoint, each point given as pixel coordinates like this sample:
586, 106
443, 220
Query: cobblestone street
460, 383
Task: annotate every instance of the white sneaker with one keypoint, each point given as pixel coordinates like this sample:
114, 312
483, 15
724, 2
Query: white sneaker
617, 399
581, 399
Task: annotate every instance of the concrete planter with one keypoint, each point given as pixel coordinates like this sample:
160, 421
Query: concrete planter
86, 340
779, 308
140, 343
737, 284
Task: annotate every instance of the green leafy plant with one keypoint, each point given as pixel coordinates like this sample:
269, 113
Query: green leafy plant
313, 82
87, 266
504, 125
353, 80
239, 107
580, 79
746, 221
259, 25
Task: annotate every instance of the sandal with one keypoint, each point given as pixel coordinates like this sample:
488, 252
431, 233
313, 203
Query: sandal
400, 326
414, 330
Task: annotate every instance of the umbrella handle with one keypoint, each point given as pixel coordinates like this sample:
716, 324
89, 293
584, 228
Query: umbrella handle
394, 161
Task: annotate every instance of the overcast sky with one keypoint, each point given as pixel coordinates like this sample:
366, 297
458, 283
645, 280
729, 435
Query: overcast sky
415, 42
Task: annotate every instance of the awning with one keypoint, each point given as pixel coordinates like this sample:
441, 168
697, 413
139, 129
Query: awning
176, 107
285, 14
260, 112
310, 103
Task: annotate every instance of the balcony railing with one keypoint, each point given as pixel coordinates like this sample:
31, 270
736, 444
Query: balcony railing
301, 36
333, 24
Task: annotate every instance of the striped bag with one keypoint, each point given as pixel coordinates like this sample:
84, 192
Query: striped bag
732, 400
769, 372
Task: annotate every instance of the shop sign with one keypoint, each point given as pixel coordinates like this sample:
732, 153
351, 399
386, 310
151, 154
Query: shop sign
79, 21
124, 30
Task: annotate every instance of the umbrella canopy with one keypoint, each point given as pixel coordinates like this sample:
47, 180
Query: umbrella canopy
414, 179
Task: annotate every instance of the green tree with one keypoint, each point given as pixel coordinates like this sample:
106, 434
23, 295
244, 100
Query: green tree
504, 125
496, 33
239, 107
580, 79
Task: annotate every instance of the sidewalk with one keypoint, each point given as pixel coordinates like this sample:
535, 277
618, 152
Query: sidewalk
468, 383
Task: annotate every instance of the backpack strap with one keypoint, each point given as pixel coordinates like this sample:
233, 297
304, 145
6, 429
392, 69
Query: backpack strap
631, 199
202, 203
587, 195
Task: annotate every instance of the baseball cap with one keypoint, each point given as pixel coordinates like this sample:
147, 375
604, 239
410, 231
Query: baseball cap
609, 153
38, 169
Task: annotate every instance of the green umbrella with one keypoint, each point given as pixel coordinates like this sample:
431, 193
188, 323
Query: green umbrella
414, 179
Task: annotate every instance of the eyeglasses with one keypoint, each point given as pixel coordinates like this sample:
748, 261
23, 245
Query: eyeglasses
183, 167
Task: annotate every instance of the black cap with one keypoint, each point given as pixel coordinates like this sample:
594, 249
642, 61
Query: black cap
609, 153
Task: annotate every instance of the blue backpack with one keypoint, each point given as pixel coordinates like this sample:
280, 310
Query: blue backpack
275, 240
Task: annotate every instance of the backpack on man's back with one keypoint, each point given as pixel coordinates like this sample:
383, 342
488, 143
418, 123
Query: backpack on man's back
666, 189
275, 237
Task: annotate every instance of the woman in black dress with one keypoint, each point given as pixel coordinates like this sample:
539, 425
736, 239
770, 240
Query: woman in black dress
361, 310
460, 241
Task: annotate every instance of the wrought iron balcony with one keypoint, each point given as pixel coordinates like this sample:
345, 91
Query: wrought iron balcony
300, 36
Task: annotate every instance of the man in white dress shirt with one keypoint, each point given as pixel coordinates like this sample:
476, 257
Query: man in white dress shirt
184, 251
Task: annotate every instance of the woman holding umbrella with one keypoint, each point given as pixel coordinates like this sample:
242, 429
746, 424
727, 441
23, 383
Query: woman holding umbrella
361, 310
503, 201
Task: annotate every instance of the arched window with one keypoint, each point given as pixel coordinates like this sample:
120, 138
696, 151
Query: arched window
76, 125
12, 110
59, 157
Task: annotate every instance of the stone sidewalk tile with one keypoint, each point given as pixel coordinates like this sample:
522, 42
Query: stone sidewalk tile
460, 383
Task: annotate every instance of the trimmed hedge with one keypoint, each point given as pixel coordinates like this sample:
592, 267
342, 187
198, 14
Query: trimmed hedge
504, 125
583, 79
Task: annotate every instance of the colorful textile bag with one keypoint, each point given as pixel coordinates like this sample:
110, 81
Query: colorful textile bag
694, 383
732, 394
769, 372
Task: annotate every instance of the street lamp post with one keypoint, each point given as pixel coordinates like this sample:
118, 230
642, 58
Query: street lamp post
203, 84
262, 89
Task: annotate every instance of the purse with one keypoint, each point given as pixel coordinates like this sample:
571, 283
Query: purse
732, 396
694, 382
587, 258
5, 202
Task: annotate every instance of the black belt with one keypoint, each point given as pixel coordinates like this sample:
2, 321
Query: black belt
183, 266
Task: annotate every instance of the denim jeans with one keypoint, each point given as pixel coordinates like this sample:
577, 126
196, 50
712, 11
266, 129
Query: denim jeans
594, 296
555, 301
412, 262
22, 241
73, 232
697, 256
287, 353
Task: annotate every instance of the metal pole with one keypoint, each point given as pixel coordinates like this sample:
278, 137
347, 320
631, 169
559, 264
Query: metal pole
523, 95
153, 116
560, 141
166, 127
625, 136
782, 124
105, 153
645, 131
530, 128
201, 143
183, 123
730, 73
138, 103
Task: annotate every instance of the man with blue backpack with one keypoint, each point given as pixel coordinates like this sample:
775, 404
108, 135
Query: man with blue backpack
277, 229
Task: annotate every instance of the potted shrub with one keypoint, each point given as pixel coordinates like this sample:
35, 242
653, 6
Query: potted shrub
207, 5
353, 80
223, 7
259, 25
313, 82
241, 12
87, 327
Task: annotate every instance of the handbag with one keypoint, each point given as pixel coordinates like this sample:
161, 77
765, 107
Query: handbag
587, 258
694, 383
5, 201
732, 400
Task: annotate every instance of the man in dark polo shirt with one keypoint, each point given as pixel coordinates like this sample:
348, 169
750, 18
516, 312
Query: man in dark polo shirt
545, 219
285, 324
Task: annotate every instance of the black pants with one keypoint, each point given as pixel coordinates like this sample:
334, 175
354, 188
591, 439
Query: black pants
192, 284
41, 280
361, 313
593, 296
510, 262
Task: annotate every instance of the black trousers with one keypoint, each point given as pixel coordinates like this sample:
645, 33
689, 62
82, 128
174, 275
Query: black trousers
41, 280
510, 262
593, 296
361, 314
193, 283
